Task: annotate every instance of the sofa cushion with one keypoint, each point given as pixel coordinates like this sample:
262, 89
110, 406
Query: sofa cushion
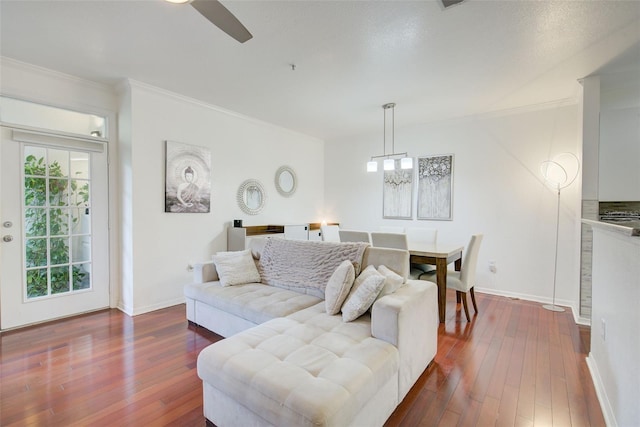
309, 368
253, 301
339, 286
236, 268
306, 266
363, 293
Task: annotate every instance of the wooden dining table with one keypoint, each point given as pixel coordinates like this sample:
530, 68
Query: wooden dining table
440, 255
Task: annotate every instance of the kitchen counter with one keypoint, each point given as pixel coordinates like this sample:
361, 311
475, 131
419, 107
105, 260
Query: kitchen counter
626, 228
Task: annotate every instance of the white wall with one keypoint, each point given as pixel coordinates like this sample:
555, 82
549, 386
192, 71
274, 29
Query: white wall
619, 175
498, 191
158, 246
615, 342
590, 129
620, 155
31, 83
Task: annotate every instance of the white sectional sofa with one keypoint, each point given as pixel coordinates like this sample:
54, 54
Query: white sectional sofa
286, 362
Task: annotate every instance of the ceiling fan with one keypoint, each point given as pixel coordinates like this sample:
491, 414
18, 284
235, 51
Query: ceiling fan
219, 16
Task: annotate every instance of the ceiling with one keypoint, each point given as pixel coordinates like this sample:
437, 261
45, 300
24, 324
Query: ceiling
350, 56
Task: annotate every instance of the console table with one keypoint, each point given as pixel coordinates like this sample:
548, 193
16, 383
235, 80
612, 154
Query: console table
238, 237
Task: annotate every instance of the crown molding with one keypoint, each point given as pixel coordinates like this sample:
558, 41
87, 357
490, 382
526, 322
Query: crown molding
134, 84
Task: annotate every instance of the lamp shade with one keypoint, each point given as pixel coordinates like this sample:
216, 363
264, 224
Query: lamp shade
570, 164
372, 166
389, 164
406, 163
554, 174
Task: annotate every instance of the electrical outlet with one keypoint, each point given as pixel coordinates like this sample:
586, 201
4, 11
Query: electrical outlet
603, 330
492, 266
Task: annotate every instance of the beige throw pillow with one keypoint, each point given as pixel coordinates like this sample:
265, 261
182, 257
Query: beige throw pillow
236, 268
364, 291
392, 281
338, 287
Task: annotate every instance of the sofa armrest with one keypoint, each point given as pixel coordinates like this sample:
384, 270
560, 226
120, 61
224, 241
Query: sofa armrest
408, 319
204, 272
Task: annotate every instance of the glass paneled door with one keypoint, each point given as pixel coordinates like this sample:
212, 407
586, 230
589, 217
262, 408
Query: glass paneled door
57, 220
54, 228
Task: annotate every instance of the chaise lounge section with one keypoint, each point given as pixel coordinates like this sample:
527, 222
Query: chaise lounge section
287, 362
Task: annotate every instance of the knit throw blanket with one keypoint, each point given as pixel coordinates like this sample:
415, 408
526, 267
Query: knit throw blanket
305, 266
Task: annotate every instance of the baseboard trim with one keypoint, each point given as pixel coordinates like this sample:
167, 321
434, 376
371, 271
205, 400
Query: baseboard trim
534, 298
158, 306
605, 405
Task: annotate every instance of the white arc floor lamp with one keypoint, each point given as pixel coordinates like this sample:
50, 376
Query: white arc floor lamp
559, 173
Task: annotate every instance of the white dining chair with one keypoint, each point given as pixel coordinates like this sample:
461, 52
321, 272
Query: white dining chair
422, 236
395, 241
389, 240
464, 280
330, 233
354, 236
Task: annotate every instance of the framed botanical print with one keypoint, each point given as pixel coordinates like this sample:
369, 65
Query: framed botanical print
435, 187
397, 194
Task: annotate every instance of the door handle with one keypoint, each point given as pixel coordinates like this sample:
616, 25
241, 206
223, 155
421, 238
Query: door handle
8, 238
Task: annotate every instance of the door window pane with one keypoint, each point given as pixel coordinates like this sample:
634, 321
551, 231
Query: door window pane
58, 194
58, 163
37, 283
59, 279
81, 220
35, 191
81, 276
36, 252
58, 222
27, 113
79, 192
59, 250
35, 220
81, 249
34, 161
79, 165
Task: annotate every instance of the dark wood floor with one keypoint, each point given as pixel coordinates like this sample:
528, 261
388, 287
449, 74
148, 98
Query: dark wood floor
515, 364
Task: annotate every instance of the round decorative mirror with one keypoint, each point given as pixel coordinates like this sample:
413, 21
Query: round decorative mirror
286, 181
251, 197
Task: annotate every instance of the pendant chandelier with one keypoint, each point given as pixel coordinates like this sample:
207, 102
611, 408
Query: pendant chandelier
389, 162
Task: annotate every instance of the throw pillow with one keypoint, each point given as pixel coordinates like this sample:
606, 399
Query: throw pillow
392, 281
338, 287
364, 291
236, 268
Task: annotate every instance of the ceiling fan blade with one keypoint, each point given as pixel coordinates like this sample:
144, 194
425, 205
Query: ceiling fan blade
449, 3
220, 16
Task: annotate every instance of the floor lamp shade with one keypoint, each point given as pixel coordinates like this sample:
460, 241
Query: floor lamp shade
554, 174
559, 173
